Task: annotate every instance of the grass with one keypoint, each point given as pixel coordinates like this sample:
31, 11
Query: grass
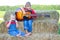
59, 22
36, 7
2, 14
59, 15
1, 21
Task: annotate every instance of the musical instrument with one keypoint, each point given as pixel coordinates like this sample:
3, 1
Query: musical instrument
19, 15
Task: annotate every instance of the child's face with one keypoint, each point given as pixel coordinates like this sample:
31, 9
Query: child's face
12, 17
27, 5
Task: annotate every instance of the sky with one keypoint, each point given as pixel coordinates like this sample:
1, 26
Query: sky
22, 2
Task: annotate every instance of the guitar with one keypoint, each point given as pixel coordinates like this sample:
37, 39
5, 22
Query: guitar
20, 15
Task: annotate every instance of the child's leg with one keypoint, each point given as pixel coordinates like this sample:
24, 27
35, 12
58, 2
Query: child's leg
18, 35
30, 26
26, 25
13, 33
21, 34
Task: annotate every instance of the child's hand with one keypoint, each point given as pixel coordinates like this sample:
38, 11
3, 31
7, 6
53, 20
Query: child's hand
16, 23
27, 15
8, 23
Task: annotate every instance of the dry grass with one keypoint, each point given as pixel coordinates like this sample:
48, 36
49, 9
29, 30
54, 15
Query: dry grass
43, 28
34, 36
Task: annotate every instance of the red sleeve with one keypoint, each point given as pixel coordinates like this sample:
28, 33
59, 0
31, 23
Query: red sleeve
33, 12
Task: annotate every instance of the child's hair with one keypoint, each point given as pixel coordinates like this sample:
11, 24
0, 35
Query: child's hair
27, 3
12, 16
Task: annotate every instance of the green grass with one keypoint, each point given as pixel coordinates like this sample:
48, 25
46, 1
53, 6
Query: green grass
46, 7
1, 21
59, 15
36, 7
59, 22
2, 14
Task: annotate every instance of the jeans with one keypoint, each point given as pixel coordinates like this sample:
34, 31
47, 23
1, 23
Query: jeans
28, 25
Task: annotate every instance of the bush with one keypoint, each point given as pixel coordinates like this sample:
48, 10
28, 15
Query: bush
36, 7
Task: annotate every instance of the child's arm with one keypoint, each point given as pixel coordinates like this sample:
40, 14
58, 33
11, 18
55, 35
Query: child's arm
34, 13
16, 24
8, 24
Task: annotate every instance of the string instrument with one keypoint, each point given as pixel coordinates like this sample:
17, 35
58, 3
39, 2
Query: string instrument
28, 14
19, 15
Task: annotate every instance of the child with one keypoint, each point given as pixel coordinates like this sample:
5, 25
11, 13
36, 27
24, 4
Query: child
28, 22
12, 27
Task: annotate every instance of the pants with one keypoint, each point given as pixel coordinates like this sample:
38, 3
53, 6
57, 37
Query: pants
16, 32
28, 25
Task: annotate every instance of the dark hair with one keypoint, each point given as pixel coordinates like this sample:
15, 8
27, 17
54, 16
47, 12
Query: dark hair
28, 3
